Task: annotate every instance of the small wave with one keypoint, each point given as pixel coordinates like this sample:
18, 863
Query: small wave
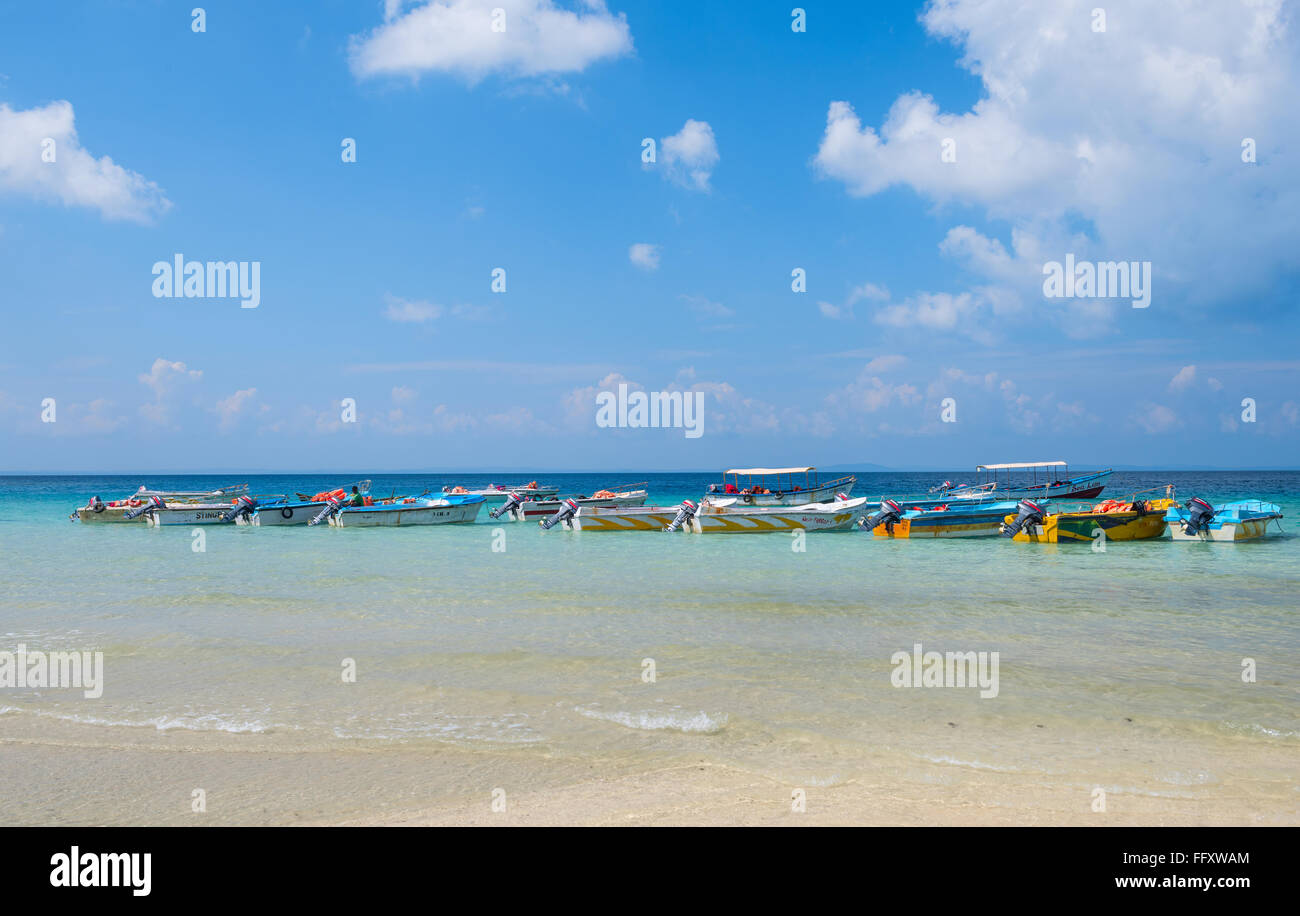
200, 723
700, 723
972, 764
509, 729
1256, 729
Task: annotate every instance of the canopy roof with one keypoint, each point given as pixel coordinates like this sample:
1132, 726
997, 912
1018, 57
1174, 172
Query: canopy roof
762, 471
1022, 464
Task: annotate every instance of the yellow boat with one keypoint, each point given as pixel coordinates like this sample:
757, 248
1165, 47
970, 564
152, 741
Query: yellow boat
1136, 520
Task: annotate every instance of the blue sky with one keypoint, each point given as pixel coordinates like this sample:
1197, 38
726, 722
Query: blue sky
776, 150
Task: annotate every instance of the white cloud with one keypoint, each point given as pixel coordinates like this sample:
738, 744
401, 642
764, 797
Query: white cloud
411, 311
868, 393
690, 155
644, 255
167, 379
1156, 418
165, 375
401, 394
996, 158
1088, 142
230, 410
75, 177
1184, 379
936, 311
868, 291
885, 363
704, 307
456, 36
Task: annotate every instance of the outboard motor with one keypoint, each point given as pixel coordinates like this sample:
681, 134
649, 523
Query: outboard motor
1199, 515
95, 505
684, 516
332, 505
511, 501
153, 502
567, 510
244, 505
889, 515
1031, 513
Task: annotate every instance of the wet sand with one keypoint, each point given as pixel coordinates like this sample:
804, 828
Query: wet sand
74, 774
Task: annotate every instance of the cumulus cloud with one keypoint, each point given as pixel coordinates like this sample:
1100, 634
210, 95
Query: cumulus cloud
74, 177
937, 311
868, 291
539, 38
167, 379
644, 255
868, 393
1156, 418
165, 376
689, 156
1088, 142
1184, 379
232, 409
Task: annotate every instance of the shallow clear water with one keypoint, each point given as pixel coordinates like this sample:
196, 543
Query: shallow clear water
764, 656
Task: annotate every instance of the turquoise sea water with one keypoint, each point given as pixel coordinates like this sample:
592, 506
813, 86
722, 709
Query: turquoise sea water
764, 656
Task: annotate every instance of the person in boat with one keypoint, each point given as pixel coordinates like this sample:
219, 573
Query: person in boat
356, 499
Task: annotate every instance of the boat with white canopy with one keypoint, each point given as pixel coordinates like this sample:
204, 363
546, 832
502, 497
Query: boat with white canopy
778, 486
1020, 479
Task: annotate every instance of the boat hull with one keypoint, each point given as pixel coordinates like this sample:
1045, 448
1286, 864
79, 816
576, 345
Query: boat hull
1082, 526
955, 523
404, 515
841, 515
1251, 529
109, 514
1248, 520
273, 516
188, 515
628, 518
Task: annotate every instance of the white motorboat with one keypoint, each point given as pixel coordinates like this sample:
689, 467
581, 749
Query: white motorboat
450, 510
124, 510
499, 493
518, 506
778, 486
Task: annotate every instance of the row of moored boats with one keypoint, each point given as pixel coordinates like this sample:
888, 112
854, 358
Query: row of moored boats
1025, 501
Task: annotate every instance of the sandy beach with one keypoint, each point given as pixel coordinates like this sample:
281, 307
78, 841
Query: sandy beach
80, 774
